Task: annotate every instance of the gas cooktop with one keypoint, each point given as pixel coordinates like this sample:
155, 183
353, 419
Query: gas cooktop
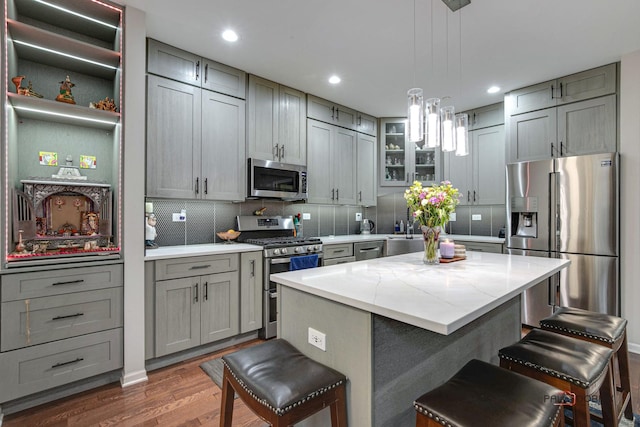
281, 242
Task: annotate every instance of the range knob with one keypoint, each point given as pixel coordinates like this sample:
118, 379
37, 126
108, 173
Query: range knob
316, 248
276, 251
298, 249
309, 248
284, 251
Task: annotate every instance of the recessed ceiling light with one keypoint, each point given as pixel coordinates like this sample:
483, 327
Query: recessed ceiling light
334, 80
493, 89
230, 35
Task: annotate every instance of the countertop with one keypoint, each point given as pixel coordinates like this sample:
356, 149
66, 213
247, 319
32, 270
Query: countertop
167, 252
354, 238
440, 298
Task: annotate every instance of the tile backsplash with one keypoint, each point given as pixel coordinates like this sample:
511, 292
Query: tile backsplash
205, 218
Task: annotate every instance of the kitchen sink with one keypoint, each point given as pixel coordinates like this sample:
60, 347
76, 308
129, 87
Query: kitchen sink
397, 245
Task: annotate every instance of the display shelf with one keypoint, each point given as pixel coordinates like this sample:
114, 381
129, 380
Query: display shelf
60, 112
44, 47
87, 17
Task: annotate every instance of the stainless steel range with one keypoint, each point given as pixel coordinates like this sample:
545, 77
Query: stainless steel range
276, 235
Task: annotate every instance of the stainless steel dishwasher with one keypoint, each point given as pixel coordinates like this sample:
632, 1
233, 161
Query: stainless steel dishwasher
368, 250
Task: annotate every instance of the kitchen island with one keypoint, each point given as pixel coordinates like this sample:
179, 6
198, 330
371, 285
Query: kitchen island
398, 328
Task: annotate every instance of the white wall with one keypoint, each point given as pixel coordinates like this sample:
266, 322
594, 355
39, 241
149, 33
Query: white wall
134, 176
630, 195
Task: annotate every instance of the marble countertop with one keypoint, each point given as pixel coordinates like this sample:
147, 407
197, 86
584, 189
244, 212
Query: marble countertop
440, 298
354, 238
167, 252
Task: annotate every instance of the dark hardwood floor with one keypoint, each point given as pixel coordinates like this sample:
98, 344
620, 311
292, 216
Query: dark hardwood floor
178, 395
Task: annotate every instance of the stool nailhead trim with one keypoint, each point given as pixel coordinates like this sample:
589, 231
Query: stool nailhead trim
580, 333
548, 371
282, 411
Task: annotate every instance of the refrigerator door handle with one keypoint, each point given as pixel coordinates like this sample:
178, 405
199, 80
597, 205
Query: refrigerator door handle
554, 227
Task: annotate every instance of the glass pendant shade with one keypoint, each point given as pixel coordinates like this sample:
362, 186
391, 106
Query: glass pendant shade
415, 123
432, 119
447, 122
462, 137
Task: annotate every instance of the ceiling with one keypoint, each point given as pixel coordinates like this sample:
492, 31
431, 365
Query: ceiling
370, 44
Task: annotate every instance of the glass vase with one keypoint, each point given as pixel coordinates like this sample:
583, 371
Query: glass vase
430, 236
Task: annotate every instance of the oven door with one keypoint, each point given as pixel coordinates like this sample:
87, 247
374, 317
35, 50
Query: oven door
270, 294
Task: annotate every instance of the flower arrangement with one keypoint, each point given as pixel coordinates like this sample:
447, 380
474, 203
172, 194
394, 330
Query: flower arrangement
431, 206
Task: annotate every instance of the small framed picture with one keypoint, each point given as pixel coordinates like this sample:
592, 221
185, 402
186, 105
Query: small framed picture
89, 223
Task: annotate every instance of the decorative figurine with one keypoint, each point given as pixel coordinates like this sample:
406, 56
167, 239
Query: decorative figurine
90, 223
20, 245
17, 80
31, 92
150, 231
65, 92
106, 104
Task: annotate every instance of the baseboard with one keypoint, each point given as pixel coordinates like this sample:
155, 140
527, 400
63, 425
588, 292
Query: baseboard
133, 378
634, 348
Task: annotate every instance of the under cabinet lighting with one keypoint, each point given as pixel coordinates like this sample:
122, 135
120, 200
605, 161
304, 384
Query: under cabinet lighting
52, 113
57, 52
71, 12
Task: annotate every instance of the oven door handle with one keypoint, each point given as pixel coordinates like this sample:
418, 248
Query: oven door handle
273, 293
287, 260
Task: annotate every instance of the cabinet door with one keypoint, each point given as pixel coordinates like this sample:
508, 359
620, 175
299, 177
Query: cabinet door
320, 109
588, 127
532, 98
319, 170
250, 291
263, 121
458, 170
393, 167
292, 126
345, 117
491, 115
344, 166
223, 79
367, 124
174, 63
532, 136
220, 306
173, 138
489, 165
366, 170
223, 147
588, 84
177, 315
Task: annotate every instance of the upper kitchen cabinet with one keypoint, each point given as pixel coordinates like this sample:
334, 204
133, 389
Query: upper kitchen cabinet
62, 140
581, 121
367, 124
483, 117
403, 162
330, 112
332, 171
276, 122
366, 166
575, 87
195, 142
186, 67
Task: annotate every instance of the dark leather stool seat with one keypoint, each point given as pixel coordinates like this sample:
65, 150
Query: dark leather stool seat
603, 329
281, 385
573, 365
484, 394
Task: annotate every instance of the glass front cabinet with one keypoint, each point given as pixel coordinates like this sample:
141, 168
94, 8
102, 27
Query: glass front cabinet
403, 162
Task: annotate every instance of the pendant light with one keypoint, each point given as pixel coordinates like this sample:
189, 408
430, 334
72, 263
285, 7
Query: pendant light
447, 119
415, 113
432, 113
462, 140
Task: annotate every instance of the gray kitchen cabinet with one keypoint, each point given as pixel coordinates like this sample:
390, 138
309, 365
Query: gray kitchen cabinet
480, 176
366, 124
587, 84
195, 142
332, 173
366, 166
483, 117
276, 122
585, 127
338, 253
403, 162
481, 246
251, 282
177, 64
196, 301
330, 112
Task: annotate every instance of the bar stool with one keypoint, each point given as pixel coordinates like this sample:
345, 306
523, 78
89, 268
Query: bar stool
484, 394
573, 365
281, 385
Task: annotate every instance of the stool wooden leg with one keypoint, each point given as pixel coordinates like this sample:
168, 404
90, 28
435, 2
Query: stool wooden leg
607, 399
625, 380
226, 408
339, 408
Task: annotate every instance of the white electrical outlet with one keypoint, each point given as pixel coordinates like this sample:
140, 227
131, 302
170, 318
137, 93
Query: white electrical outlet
358, 216
306, 216
317, 339
452, 216
179, 217
476, 217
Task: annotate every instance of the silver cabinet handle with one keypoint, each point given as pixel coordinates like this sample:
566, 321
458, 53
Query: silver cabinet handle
360, 195
205, 288
338, 114
281, 156
206, 186
275, 152
552, 149
68, 316
333, 194
195, 298
57, 365
337, 194
468, 196
197, 185
407, 176
333, 113
474, 195
253, 268
199, 267
197, 70
206, 72
70, 282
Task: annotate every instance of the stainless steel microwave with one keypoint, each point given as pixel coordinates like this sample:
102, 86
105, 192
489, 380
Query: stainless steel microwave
277, 180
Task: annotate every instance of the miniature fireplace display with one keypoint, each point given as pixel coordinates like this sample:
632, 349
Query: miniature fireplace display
54, 216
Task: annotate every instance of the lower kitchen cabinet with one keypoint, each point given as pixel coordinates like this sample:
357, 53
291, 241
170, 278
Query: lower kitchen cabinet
481, 246
250, 291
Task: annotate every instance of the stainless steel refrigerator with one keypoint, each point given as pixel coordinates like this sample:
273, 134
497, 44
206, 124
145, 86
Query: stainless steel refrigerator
567, 208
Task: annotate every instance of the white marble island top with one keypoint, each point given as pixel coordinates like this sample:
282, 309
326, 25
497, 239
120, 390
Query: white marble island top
440, 298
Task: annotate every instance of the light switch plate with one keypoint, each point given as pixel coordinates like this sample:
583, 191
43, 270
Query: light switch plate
452, 217
306, 216
476, 217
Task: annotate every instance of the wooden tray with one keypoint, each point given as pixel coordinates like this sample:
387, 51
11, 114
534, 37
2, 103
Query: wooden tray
454, 259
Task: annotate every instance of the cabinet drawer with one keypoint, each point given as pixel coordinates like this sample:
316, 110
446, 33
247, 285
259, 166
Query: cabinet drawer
336, 261
41, 320
195, 266
34, 369
481, 246
337, 251
56, 282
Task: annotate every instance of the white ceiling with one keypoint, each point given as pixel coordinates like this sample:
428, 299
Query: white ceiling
369, 43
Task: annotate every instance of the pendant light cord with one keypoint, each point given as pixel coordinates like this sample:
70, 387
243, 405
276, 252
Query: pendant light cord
414, 43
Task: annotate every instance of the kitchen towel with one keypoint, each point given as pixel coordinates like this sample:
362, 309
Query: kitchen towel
302, 262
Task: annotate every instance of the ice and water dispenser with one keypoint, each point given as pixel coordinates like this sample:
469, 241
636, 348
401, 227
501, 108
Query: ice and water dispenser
524, 217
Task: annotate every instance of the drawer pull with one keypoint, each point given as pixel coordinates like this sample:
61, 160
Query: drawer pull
70, 282
68, 316
199, 267
57, 365
337, 251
